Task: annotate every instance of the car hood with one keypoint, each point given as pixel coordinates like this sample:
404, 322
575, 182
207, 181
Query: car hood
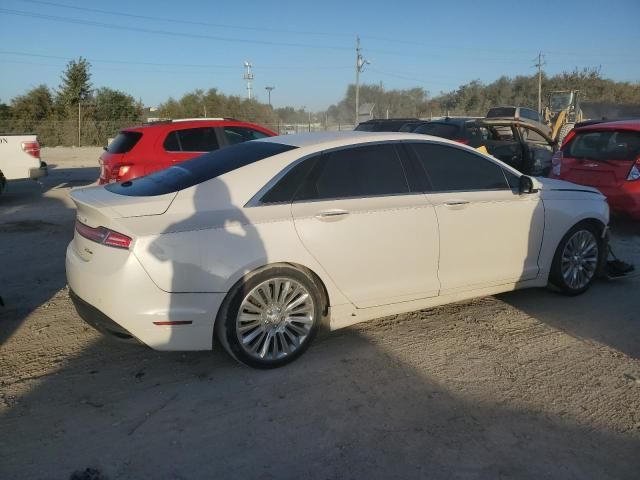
551, 184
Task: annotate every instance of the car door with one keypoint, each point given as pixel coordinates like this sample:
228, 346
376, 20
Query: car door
183, 144
357, 217
539, 151
489, 233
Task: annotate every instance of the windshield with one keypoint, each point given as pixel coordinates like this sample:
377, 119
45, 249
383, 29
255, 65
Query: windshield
199, 169
605, 145
560, 101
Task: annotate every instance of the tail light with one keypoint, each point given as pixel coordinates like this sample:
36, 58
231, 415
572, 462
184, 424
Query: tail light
464, 141
103, 236
32, 148
634, 173
556, 163
122, 171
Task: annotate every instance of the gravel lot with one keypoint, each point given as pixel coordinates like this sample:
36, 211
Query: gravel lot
528, 384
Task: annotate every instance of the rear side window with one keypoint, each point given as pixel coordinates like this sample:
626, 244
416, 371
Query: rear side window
285, 189
454, 169
605, 145
365, 127
201, 139
444, 130
124, 142
367, 171
199, 169
242, 134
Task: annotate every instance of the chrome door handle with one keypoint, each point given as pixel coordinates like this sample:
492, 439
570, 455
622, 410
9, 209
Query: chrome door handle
331, 214
453, 203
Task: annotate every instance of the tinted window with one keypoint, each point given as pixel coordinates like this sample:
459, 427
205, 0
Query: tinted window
530, 114
605, 145
124, 142
512, 179
201, 139
365, 127
242, 134
445, 130
356, 172
171, 143
285, 189
199, 169
454, 169
501, 112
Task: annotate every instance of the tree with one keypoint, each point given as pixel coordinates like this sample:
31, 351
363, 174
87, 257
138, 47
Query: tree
113, 105
75, 86
28, 110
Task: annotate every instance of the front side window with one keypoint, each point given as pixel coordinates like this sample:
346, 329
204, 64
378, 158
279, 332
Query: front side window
454, 169
242, 134
366, 171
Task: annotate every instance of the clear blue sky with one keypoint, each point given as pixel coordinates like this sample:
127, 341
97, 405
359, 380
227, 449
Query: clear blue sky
154, 49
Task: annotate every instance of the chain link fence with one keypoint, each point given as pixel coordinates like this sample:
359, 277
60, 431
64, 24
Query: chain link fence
53, 133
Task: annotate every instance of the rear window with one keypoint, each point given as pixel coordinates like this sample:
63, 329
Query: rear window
199, 169
444, 130
124, 142
502, 112
604, 145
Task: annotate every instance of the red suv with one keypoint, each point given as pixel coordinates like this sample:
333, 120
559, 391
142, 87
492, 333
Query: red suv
138, 151
605, 156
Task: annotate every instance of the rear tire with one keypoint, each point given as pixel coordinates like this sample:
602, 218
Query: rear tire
577, 259
271, 317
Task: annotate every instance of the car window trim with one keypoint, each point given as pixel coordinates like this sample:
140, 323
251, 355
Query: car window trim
474, 152
256, 200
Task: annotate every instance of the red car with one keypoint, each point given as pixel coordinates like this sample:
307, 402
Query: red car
138, 151
605, 156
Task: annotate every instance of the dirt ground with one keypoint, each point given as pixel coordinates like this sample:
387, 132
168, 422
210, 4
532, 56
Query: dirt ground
528, 384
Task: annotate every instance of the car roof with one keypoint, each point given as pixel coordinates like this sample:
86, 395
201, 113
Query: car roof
188, 122
617, 125
324, 140
384, 120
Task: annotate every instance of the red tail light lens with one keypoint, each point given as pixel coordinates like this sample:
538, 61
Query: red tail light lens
32, 148
122, 171
103, 236
464, 141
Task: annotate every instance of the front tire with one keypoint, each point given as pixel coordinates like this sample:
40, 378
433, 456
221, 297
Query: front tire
577, 259
271, 317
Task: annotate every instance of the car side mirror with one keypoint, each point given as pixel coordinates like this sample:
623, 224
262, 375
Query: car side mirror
525, 185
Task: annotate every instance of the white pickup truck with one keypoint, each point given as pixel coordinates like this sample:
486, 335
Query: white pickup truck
20, 158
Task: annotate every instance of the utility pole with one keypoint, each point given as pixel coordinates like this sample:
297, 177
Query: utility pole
248, 76
269, 89
360, 63
539, 65
79, 120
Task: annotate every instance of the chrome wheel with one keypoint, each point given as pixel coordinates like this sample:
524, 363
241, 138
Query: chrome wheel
275, 318
579, 260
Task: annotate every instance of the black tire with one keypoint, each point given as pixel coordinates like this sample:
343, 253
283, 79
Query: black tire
226, 321
556, 277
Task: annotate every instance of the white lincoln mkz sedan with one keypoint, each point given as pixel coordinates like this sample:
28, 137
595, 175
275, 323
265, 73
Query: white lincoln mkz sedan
259, 245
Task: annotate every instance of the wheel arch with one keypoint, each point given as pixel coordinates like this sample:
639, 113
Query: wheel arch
326, 300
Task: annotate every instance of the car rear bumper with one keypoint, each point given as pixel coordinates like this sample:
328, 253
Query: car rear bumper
41, 171
99, 320
114, 294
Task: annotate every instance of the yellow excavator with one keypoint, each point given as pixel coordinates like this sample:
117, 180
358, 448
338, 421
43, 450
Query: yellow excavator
566, 108
563, 112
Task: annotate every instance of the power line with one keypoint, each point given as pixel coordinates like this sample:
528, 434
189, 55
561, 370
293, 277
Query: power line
181, 21
228, 67
165, 32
